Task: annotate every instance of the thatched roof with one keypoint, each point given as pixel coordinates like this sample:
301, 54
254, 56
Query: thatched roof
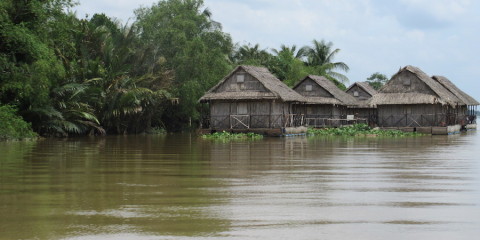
465, 98
323, 100
365, 86
339, 96
276, 89
368, 89
398, 96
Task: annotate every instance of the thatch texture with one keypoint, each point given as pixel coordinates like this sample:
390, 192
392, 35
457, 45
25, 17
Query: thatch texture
465, 98
423, 90
323, 100
275, 89
365, 93
404, 98
338, 97
365, 86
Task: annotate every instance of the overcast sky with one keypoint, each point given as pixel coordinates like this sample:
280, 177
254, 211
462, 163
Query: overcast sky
441, 37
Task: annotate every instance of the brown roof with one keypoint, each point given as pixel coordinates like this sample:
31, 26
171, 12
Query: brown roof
442, 95
339, 96
276, 88
465, 98
365, 86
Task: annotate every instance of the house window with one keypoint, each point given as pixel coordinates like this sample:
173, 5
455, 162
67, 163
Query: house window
242, 108
240, 78
355, 94
407, 82
308, 88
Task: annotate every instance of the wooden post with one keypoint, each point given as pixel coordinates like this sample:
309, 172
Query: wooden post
270, 115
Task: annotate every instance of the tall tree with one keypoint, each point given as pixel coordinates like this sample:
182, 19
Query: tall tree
377, 80
251, 55
194, 47
321, 56
287, 65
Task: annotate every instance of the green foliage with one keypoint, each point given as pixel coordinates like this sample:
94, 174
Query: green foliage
288, 66
227, 136
359, 130
71, 76
321, 58
13, 126
194, 47
377, 80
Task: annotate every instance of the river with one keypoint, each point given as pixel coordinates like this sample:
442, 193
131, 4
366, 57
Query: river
183, 187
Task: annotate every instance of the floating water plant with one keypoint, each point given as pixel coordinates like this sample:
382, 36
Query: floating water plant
359, 130
232, 136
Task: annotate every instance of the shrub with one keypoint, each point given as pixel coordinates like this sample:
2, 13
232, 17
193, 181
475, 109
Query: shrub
13, 126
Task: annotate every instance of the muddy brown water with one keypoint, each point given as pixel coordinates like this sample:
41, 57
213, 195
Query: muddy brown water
183, 187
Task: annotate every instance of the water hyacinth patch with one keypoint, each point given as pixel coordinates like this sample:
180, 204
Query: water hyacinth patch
359, 130
232, 136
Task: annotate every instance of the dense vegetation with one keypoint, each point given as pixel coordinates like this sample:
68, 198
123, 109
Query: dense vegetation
13, 126
359, 130
71, 76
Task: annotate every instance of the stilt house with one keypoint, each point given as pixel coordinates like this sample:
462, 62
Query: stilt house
466, 111
362, 92
325, 104
413, 99
251, 98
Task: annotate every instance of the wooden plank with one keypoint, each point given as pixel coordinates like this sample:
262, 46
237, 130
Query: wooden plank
406, 129
439, 131
424, 130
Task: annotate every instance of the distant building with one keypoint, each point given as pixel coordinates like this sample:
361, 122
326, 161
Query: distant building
362, 92
465, 111
413, 99
251, 98
325, 104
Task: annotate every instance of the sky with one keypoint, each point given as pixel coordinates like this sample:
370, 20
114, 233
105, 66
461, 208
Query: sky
441, 37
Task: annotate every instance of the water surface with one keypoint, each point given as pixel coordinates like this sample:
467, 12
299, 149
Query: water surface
184, 187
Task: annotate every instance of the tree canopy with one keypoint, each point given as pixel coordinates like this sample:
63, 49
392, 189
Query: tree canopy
377, 80
66, 75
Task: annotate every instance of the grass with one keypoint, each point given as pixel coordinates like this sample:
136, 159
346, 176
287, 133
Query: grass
359, 130
227, 136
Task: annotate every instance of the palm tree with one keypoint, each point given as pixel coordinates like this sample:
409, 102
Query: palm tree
288, 51
287, 64
248, 54
321, 58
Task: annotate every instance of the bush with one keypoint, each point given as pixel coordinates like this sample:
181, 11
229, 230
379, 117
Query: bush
13, 126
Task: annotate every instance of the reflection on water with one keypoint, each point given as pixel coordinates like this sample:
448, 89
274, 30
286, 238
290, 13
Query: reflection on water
184, 187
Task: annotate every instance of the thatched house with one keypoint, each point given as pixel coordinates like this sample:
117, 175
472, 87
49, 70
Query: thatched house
362, 92
250, 98
466, 111
325, 104
413, 99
